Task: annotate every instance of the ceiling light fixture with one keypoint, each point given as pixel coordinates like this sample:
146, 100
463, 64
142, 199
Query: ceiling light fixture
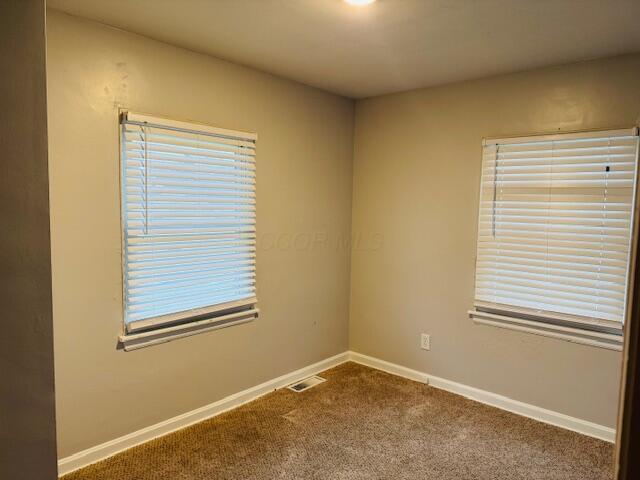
359, 3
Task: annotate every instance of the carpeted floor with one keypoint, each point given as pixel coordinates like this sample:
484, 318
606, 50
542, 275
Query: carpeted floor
362, 424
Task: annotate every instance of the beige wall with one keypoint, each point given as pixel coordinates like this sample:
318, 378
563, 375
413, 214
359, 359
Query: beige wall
304, 208
415, 190
27, 401
416, 183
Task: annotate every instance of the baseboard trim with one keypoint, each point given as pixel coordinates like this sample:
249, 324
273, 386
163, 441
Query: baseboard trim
505, 403
100, 452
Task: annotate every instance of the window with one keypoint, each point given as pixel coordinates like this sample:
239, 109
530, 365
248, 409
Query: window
554, 234
188, 222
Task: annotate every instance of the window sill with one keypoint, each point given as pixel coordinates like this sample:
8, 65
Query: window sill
610, 341
162, 335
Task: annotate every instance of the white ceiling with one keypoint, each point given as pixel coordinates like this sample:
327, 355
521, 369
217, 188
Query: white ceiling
389, 46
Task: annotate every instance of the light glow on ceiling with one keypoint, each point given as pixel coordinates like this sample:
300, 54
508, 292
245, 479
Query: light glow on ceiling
359, 3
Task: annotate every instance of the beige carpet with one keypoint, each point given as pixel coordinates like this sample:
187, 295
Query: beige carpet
362, 424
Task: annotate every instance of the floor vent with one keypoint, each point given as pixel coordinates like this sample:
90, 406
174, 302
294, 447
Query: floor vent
306, 384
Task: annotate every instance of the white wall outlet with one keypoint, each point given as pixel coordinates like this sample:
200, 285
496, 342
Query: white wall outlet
425, 341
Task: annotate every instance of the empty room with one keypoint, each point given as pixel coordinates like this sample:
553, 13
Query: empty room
320, 239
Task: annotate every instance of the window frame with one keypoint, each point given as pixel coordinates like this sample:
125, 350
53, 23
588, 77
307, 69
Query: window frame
572, 328
165, 328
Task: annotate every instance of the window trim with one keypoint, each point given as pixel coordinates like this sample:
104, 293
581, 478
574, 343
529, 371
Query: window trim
560, 318
134, 341
574, 334
153, 331
592, 332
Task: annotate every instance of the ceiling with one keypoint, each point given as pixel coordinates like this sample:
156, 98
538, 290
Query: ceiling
389, 46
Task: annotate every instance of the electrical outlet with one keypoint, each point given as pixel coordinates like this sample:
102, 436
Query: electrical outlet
425, 341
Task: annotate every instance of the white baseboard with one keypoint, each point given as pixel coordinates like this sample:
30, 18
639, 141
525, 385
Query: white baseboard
526, 410
107, 449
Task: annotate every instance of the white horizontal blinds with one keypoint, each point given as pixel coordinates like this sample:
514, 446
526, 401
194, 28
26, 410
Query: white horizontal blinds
188, 203
555, 225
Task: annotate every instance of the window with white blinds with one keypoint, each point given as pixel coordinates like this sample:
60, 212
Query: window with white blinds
189, 223
555, 227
